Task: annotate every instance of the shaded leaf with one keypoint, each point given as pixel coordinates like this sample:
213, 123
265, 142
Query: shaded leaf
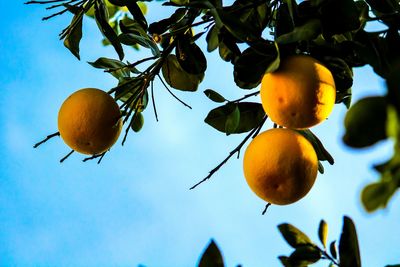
214, 96
251, 115
322, 153
349, 253
323, 232
121, 69
212, 39
308, 31
294, 236
190, 56
177, 77
365, 122
305, 255
211, 257
132, 39
377, 195
136, 12
232, 121
332, 249
74, 37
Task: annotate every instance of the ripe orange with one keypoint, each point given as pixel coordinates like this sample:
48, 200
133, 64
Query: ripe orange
280, 166
300, 94
89, 121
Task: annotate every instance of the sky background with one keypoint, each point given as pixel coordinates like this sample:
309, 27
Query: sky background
135, 207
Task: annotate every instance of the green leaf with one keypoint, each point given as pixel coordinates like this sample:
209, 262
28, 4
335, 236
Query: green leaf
74, 37
232, 121
392, 123
132, 39
322, 153
211, 257
323, 232
136, 12
377, 195
214, 96
212, 39
285, 261
349, 254
121, 69
365, 122
190, 56
294, 236
127, 87
101, 16
177, 77
308, 31
251, 115
305, 255
250, 66
332, 249
138, 122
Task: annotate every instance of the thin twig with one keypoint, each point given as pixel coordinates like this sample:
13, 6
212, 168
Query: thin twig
43, 2
131, 65
46, 139
55, 14
95, 156
153, 100
233, 152
69, 154
244, 97
266, 208
169, 91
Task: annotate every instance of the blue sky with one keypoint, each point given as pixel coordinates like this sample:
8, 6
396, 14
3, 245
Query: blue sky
135, 207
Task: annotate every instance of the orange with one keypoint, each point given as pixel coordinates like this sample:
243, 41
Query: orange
300, 94
280, 166
89, 121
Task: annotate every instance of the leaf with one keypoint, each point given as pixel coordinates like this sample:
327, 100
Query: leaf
190, 56
138, 122
211, 257
294, 236
74, 37
308, 31
322, 153
132, 39
102, 22
232, 121
349, 254
250, 66
323, 232
212, 39
377, 195
251, 115
392, 123
214, 96
365, 122
177, 77
332, 249
122, 70
305, 255
136, 12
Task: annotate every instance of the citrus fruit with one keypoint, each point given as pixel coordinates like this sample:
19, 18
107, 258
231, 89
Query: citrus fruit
89, 121
280, 166
300, 94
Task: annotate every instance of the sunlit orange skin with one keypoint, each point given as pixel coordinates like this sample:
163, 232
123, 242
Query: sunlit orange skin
280, 166
300, 94
89, 121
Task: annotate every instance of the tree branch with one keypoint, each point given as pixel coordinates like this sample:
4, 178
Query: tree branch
46, 139
233, 152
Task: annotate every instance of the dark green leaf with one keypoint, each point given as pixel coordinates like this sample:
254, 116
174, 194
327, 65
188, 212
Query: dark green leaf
212, 39
251, 66
102, 22
132, 39
284, 23
349, 254
177, 77
74, 37
285, 261
211, 257
340, 16
332, 249
127, 87
251, 115
121, 69
138, 122
377, 195
308, 31
365, 122
343, 76
321, 169
323, 232
294, 236
190, 56
322, 153
136, 12
232, 120
305, 255
394, 265
214, 96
